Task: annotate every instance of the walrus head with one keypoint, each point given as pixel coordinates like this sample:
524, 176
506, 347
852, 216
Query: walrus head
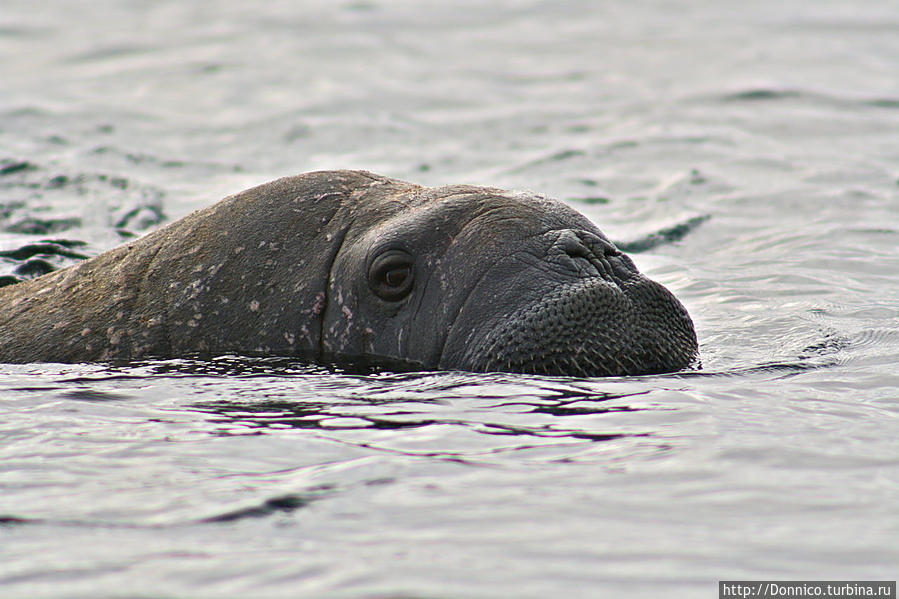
482, 279
348, 266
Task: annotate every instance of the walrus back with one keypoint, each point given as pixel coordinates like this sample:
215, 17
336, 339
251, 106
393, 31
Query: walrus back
246, 275
87, 312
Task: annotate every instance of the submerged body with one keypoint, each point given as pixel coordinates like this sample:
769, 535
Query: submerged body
348, 265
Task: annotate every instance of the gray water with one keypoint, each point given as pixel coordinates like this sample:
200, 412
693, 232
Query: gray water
763, 137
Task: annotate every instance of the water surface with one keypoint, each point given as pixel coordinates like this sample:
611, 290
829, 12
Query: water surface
749, 153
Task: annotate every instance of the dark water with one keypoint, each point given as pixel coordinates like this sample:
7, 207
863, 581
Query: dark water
758, 141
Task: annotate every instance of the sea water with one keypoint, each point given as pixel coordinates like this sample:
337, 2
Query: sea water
747, 152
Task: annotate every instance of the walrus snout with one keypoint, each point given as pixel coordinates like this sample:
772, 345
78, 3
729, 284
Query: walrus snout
570, 304
590, 254
592, 327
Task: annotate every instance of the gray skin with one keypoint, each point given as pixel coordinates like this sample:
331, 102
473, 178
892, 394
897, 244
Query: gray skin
348, 265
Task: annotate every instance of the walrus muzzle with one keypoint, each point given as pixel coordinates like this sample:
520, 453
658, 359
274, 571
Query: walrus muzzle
596, 316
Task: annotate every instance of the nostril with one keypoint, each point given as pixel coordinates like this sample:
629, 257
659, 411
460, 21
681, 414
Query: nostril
574, 248
570, 242
596, 254
598, 246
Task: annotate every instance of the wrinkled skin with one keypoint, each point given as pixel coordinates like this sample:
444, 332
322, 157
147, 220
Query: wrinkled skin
347, 265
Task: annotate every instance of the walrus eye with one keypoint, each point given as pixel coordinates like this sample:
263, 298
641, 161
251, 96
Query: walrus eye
390, 275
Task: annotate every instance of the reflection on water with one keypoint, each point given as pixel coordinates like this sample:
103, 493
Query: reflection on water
280, 414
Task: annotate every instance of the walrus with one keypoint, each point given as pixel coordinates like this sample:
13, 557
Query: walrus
341, 266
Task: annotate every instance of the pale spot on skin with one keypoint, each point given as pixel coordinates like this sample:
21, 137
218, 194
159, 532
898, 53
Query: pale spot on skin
319, 304
114, 335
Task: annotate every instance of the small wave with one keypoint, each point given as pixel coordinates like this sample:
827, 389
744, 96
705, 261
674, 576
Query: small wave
43, 226
663, 236
144, 159
774, 95
43, 202
94, 395
761, 94
883, 102
283, 503
591, 200
12, 166
36, 259
553, 157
